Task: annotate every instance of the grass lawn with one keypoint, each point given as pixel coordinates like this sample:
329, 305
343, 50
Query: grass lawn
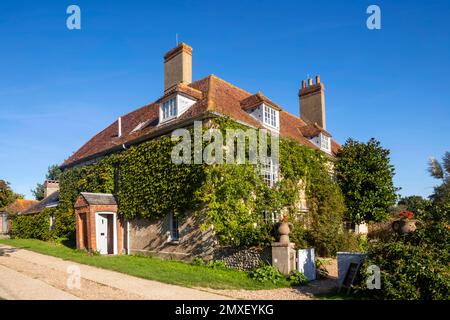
168, 271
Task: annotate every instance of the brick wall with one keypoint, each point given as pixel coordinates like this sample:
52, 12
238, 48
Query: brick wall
89, 211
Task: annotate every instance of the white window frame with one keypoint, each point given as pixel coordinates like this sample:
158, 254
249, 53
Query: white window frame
324, 142
169, 109
174, 228
269, 172
270, 216
270, 116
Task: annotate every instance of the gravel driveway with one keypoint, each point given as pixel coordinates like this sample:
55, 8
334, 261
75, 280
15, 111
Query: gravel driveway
28, 275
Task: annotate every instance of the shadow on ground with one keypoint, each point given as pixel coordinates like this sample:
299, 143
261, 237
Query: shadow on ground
6, 251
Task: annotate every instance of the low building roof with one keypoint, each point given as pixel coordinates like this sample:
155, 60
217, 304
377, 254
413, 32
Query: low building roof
99, 198
50, 201
18, 206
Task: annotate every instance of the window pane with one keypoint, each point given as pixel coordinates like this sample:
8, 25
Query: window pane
169, 108
270, 116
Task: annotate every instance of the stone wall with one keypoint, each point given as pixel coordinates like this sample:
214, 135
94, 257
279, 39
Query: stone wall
152, 237
243, 258
149, 237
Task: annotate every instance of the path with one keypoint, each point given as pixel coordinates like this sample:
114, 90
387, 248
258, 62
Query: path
28, 275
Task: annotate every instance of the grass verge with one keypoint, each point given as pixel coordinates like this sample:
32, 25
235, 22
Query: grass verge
152, 268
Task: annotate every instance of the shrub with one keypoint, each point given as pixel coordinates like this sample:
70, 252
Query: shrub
265, 274
198, 261
35, 226
64, 224
297, 279
414, 266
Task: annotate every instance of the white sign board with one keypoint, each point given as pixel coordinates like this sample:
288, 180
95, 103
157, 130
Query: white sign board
306, 263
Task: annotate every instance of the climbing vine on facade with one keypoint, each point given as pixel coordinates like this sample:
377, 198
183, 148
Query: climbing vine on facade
233, 198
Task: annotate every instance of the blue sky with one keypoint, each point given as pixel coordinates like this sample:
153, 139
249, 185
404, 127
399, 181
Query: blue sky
58, 87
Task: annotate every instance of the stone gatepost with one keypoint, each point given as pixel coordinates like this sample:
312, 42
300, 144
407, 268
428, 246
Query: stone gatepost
283, 251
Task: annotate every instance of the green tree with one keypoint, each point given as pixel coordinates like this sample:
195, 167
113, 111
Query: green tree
365, 175
53, 173
441, 171
7, 195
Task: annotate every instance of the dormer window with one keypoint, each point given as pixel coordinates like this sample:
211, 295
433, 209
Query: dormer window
270, 116
175, 106
324, 142
169, 109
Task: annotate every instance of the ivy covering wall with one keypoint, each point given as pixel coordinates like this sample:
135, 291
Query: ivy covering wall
233, 198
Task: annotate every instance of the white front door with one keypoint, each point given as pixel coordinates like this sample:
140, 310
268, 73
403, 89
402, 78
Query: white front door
102, 233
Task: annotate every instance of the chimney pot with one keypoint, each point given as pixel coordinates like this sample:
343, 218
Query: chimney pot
303, 84
312, 102
119, 127
50, 186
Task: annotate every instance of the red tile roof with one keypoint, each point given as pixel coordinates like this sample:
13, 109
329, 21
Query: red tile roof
19, 205
214, 96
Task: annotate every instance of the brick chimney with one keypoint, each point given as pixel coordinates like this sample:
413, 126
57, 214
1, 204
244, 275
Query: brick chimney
312, 102
178, 66
50, 186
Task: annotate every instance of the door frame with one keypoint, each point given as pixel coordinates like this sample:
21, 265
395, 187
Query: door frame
114, 229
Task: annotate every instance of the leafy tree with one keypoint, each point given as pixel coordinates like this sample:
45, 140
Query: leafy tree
53, 173
441, 171
7, 195
365, 175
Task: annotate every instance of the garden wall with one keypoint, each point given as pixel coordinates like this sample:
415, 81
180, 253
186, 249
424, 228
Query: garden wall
244, 259
152, 238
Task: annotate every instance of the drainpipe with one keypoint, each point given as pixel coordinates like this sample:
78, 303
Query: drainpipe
128, 238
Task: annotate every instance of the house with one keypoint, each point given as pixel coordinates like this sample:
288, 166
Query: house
51, 198
17, 207
98, 221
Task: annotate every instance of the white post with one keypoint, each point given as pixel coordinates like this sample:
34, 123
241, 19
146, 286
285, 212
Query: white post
119, 124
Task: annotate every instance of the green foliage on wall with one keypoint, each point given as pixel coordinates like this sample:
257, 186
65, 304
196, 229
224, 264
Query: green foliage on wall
231, 197
98, 177
231, 194
151, 185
